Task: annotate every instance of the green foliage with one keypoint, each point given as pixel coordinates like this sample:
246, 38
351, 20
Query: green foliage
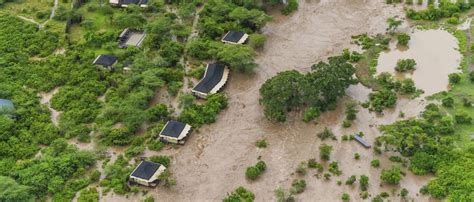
351, 180
116, 175
393, 24
403, 39
447, 102
257, 41
334, 168
319, 89
197, 115
364, 182
12, 191
446, 9
88, 195
290, 7
404, 65
261, 143
298, 186
310, 114
345, 197
281, 196
163, 160
325, 152
313, 164
391, 176
454, 78
326, 133
253, 172
301, 169
381, 99
239, 195
375, 163
240, 58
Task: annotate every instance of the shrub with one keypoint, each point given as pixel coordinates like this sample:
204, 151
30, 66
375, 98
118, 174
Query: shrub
375, 163
395, 159
448, 102
345, 197
327, 176
364, 195
325, 152
310, 114
240, 194
257, 41
253, 172
301, 169
364, 182
298, 186
404, 65
471, 76
454, 78
351, 180
404, 193
326, 133
282, 197
261, 143
356, 156
313, 164
462, 118
403, 39
391, 176
163, 160
334, 168
290, 7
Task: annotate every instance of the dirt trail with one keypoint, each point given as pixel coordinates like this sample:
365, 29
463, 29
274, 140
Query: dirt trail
213, 161
46, 100
51, 16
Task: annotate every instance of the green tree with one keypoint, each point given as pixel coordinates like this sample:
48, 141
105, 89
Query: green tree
325, 152
240, 194
241, 58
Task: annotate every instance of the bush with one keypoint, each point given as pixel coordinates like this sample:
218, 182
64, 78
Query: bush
448, 102
253, 172
290, 7
326, 133
301, 169
240, 194
325, 152
364, 182
345, 197
257, 41
351, 180
454, 78
375, 163
403, 39
163, 160
298, 186
313, 164
404, 65
391, 176
356, 156
334, 168
462, 118
261, 143
471, 76
404, 193
310, 114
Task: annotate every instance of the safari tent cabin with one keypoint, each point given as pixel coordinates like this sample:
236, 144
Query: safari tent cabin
235, 37
6, 106
174, 132
146, 173
126, 3
361, 141
214, 79
106, 61
131, 37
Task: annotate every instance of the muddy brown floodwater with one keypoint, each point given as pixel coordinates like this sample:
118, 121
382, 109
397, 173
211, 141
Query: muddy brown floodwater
213, 160
436, 57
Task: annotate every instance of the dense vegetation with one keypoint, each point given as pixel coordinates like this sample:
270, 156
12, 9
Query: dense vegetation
428, 143
119, 107
316, 91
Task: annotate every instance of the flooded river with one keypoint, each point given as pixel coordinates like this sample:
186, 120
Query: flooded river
213, 161
436, 57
